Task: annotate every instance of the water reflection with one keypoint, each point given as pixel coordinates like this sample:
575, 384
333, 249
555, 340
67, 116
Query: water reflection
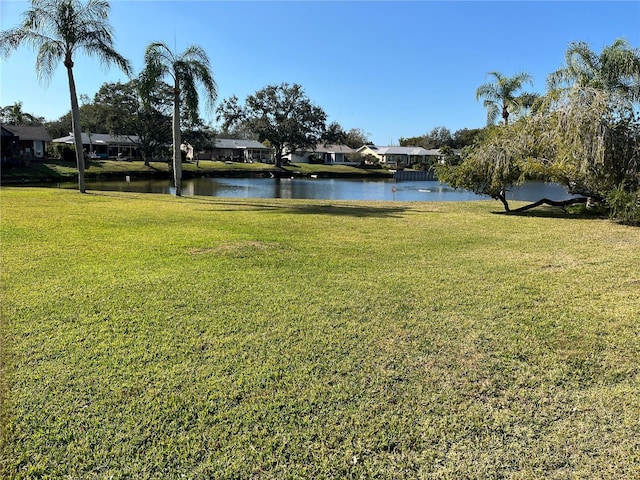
324, 189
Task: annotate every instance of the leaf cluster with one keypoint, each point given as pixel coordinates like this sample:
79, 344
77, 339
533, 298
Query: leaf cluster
281, 114
58, 29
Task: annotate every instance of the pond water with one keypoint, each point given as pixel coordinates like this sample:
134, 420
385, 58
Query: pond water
324, 189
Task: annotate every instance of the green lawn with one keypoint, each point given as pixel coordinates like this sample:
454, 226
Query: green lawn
149, 336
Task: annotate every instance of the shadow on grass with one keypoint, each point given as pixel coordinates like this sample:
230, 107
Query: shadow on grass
557, 212
306, 209
38, 172
349, 210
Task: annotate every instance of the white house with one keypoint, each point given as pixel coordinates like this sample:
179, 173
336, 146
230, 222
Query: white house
406, 156
327, 154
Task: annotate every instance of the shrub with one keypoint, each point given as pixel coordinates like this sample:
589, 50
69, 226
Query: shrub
624, 205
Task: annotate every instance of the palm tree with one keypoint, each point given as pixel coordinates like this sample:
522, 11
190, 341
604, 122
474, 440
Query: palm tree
58, 29
186, 72
616, 70
500, 96
13, 115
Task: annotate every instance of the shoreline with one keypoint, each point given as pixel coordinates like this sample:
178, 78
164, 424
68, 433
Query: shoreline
50, 171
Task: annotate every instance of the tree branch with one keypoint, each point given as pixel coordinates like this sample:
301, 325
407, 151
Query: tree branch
553, 203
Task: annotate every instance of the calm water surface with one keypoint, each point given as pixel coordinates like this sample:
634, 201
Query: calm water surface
324, 189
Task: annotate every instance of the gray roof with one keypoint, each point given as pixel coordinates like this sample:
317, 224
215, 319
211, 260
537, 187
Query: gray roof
400, 150
29, 132
231, 143
101, 139
392, 150
332, 148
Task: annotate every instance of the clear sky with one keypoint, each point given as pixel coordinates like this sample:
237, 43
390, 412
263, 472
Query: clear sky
392, 69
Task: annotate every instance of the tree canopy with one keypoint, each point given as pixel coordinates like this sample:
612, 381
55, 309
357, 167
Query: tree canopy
281, 114
501, 98
615, 69
14, 115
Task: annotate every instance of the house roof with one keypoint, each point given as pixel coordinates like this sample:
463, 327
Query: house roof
101, 139
239, 144
29, 132
392, 150
332, 148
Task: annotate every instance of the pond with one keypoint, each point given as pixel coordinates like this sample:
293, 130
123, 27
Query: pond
324, 189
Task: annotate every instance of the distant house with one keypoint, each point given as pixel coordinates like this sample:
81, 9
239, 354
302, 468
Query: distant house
22, 143
327, 154
391, 155
234, 150
403, 156
103, 145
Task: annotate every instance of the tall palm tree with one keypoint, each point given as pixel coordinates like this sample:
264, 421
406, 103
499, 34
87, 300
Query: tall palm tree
58, 29
500, 96
186, 72
616, 69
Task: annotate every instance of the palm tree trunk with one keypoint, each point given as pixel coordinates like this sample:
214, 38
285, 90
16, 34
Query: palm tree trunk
77, 130
177, 140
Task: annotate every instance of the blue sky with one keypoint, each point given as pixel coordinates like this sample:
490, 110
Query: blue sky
392, 69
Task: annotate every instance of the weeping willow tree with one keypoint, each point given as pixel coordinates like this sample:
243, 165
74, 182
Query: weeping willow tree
596, 141
587, 140
507, 156
584, 133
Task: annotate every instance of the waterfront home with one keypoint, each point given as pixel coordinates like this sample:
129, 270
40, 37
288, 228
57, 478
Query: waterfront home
329, 154
397, 156
23, 143
104, 145
229, 149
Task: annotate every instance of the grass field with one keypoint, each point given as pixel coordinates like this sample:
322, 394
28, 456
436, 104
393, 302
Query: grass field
150, 336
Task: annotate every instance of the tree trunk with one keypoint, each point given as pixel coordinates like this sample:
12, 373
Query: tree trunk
177, 140
502, 196
75, 125
553, 203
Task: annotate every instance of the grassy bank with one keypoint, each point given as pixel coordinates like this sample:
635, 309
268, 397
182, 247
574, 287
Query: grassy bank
60, 171
151, 336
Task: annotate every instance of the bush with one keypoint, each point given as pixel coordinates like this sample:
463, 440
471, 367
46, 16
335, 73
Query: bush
68, 154
624, 205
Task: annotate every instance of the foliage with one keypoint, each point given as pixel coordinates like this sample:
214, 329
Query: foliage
187, 72
13, 115
220, 338
200, 136
584, 134
616, 70
436, 138
466, 137
356, 138
334, 134
624, 205
594, 140
281, 114
494, 165
501, 99
58, 29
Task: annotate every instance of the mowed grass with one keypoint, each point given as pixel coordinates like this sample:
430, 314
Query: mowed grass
150, 336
